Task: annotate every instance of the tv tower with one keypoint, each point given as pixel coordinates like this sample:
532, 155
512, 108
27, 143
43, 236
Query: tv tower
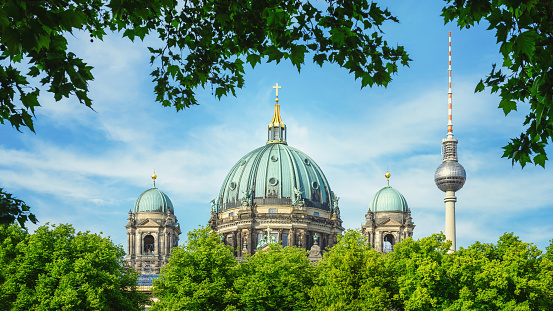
450, 176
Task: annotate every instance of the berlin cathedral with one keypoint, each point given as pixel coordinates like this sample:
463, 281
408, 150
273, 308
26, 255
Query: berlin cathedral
273, 194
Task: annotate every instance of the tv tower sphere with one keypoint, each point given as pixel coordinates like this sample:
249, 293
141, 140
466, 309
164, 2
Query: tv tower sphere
450, 176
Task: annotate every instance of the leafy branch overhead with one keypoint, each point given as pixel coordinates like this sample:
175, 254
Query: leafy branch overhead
524, 31
13, 209
203, 44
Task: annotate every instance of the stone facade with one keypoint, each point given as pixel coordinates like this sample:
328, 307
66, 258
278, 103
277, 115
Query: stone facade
150, 238
244, 227
384, 229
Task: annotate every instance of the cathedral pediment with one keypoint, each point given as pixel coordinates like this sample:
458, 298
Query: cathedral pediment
148, 223
389, 222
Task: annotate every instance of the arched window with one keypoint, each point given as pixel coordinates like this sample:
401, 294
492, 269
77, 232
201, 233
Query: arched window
149, 244
388, 243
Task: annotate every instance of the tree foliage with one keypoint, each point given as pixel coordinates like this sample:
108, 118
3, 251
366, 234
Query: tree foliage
352, 276
58, 269
524, 31
203, 275
506, 276
509, 275
418, 275
199, 275
203, 43
275, 279
13, 209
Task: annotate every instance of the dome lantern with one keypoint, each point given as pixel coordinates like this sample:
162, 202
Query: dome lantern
277, 129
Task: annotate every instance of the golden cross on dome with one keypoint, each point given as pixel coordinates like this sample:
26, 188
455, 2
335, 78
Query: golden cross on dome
277, 87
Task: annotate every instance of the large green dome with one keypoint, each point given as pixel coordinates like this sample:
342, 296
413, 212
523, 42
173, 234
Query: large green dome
153, 200
272, 174
388, 199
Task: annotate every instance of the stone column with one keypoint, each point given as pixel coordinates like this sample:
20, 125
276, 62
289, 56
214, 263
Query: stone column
234, 250
292, 237
250, 241
128, 243
156, 243
138, 238
163, 248
239, 242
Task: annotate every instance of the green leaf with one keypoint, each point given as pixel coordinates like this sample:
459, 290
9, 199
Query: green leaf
253, 59
319, 59
479, 87
540, 159
525, 43
129, 33
507, 105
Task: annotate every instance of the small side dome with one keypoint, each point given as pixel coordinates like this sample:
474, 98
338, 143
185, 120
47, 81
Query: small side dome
388, 199
153, 200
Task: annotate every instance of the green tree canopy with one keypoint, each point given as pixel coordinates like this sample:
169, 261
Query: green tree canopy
199, 275
506, 276
418, 275
203, 43
524, 31
509, 275
275, 279
58, 269
352, 276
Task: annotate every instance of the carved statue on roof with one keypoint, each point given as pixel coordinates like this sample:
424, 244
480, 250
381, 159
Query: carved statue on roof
298, 200
298, 193
131, 220
214, 206
247, 198
335, 207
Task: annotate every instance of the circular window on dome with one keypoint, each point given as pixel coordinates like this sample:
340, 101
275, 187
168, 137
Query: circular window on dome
306, 161
315, 185
273, 181
274, 158
232, 185
243, 163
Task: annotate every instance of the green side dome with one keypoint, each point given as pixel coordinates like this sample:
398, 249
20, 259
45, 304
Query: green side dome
388, 199
272, 174
153, 200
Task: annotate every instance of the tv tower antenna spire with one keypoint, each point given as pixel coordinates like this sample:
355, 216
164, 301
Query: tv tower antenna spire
450, 176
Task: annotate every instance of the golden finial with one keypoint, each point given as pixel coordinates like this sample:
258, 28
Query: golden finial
277, 87
276, 122
388, 177
277, 133
154, 177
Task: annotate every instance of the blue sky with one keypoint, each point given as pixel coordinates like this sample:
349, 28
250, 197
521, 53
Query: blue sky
87, 168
